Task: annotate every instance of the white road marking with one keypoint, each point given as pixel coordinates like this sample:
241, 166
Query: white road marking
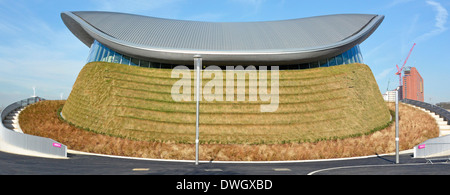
213, 170
141, 169
281, 169
362, 166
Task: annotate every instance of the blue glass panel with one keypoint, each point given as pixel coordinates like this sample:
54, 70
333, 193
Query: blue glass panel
348, 55
91, 52
351, 55
332, 61
357, 60
111, 56
304, 66
105, 53
134, 62
126, 60
323, 63
99, 54
108, 56
155, 65
345, 58
163, 65
95, 49
144, 64
361, 60
314, 64
339, 60
117, 57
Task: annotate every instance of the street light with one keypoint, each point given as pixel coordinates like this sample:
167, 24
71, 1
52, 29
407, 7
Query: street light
198, 65
396, 129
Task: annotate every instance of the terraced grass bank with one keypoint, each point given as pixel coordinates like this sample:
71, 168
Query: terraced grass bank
314, 104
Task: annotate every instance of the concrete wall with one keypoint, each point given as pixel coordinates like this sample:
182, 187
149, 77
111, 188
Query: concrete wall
23, 144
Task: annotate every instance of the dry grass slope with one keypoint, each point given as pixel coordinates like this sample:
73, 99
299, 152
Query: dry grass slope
315, 104
42, 119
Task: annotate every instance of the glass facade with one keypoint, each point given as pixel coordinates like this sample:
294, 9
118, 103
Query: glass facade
101, 53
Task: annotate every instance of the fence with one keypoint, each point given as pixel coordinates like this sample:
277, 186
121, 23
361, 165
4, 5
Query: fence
433, 108
24, 144
435, 146
439, 146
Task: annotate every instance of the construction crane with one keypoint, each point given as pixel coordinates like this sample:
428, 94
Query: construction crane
399, 70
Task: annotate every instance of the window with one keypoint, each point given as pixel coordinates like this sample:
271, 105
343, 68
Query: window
109, 56
126, 60
339, 59
353, 54
144, 64
304, 66
134, 62
323, 63
93, 52
104, 55
166, 66
117, 58
155, 65
98, 56
345, 58
332, 61
99, 52
360, 58
314, 64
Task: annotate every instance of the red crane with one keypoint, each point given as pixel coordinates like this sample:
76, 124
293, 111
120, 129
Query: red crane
399, 70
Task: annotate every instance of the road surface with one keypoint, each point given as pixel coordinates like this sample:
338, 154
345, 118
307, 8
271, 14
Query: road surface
77, 164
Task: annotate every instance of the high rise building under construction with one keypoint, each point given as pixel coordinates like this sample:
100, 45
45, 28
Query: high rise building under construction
412, 84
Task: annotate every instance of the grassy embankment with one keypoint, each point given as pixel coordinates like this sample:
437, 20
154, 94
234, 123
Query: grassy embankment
323, 113
315, 104
42, 119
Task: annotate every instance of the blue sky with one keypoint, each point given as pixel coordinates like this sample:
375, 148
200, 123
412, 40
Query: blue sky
37, 50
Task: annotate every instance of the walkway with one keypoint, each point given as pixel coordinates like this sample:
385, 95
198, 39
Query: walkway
444, 128
12, 120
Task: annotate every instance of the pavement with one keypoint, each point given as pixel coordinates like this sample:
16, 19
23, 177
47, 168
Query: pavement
181, 177
80, 164
11, 121
444, 127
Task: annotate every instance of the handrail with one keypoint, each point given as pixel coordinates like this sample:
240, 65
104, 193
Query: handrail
18, 104
24, 144
436, 146
433, 108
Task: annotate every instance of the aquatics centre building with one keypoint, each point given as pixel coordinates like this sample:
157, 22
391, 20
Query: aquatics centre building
325, 90
163, 43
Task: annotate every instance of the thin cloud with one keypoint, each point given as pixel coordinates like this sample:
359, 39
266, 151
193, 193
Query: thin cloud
397, 2
37, 54
250, 2
136, 6
440, 21
385, 73
254, 5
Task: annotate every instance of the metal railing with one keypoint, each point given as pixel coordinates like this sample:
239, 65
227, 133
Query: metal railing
433, 108
439, 146
24, 144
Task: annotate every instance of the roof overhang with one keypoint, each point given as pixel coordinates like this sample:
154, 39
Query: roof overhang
84, 30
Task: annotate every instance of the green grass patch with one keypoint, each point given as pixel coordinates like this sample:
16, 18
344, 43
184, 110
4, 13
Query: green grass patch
315, 104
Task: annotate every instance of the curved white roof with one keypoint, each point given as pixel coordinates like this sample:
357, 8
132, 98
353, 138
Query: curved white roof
176, 41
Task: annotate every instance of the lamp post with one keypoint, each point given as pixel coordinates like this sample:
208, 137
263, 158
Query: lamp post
198, 65
396, 129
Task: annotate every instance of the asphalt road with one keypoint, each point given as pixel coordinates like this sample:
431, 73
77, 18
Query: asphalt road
77, 164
